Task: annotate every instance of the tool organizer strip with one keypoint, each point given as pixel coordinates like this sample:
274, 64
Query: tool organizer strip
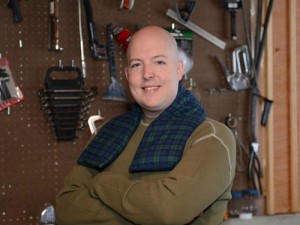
33, 163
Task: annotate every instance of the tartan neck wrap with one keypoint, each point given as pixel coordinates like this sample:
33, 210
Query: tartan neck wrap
162, 145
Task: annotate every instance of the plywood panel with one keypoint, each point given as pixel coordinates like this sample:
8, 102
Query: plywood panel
298, 83
285, 180
281, 146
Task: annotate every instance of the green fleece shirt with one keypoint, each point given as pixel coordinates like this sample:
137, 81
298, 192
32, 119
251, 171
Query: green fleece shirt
196, 191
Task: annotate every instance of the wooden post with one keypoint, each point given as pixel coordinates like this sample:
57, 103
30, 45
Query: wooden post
293, 107
270, 205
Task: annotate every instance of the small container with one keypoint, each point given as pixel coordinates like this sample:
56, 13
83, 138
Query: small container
250, 201
235, 204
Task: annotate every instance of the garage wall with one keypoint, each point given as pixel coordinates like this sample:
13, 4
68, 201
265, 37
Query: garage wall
33, 163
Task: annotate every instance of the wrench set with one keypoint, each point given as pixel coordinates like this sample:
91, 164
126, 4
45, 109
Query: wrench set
65, 101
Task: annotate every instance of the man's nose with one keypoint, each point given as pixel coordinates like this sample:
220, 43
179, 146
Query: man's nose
148, 72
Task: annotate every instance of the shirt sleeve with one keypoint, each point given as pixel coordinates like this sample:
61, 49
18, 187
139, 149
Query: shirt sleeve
75, 205
199, 179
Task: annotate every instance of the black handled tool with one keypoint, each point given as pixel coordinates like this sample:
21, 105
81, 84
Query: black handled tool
98, 51
262, 41
254, 168
15, 7
232, 6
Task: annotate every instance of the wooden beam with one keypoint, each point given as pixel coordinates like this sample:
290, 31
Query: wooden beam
293, 107
270, 205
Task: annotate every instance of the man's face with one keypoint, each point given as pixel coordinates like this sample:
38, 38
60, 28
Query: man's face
153, 73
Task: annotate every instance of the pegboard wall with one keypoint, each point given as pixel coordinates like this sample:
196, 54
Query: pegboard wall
32, 163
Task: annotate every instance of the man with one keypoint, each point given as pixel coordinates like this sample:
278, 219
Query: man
163, 162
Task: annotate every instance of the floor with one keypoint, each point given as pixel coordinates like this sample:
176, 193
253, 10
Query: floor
286, 219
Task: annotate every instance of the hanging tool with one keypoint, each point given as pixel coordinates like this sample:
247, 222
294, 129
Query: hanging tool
115, 90
254, 168
14, 5
263, 38
258, 27
183, 37
92, 120
83, 64
233, 122
185, 13
48, 216
126, 4
64, 104
4, 92
54, 31
232, 6
91, 91
123, 36
240, 79
61, 112
85, 97
266, 110
65, 101
98, 51
10, 94
196, 29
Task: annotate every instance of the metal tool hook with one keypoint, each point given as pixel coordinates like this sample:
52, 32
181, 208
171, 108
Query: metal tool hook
240, 78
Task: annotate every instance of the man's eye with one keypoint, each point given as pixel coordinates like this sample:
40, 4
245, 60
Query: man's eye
160, 62
134, 65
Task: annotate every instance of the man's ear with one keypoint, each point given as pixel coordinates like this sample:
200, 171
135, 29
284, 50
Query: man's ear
126, 72
180, 69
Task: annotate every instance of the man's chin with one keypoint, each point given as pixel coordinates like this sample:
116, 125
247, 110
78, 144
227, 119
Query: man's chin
151, 111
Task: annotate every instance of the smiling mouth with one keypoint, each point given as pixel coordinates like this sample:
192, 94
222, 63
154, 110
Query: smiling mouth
149, 88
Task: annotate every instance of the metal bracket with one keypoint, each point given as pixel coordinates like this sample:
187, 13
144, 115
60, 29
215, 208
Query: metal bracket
240, 79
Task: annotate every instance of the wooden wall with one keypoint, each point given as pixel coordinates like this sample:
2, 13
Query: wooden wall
280, 137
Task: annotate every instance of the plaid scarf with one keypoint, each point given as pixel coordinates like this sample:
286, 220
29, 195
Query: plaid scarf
162, 145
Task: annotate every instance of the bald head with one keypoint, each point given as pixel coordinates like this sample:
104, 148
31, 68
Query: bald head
154, 35
153, 69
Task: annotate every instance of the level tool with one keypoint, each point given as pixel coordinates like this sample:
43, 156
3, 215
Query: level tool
198, 30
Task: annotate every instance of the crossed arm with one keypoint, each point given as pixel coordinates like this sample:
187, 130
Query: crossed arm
177, 197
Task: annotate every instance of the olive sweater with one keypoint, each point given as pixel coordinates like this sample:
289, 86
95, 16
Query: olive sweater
196, 191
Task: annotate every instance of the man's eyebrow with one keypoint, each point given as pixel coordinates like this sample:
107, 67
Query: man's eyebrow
134, 60
154, 57
158, 56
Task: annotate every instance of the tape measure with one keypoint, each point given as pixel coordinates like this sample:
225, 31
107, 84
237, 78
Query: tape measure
231, 122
